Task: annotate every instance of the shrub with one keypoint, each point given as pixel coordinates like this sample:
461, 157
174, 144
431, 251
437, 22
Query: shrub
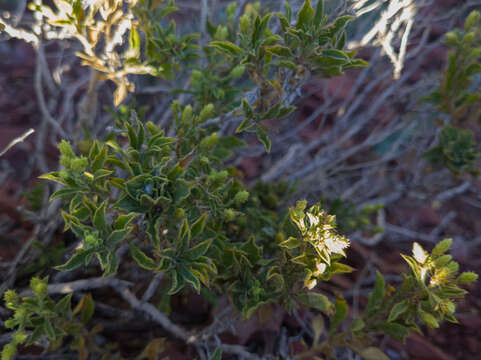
185, 214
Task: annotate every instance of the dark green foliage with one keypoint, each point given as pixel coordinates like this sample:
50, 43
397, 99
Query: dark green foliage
38, 316
457, 150
456, 97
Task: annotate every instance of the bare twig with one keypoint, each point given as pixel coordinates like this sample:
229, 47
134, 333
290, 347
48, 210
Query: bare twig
81, 285
17, 140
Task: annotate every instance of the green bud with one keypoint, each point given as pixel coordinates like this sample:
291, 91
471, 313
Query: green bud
218, 177
11, 299
452, 37
245, 24
237, 72
79, 165
92, 240
153, 129
209, 142
467, 278
222, 176
205, 160
452, 267
229, 214
196, 79
8, 351
241, 197
280, 237
66, 149
179, 213
187, 114
196, 75
63, 173
369, 209
20, 314
38, 286
9, 324
473, 19
442, 247
364, 220
206, 113
442, 260
448, 307
230, 10
221, 33
19, 337
65, 161
429, 319
175, 108
469, 37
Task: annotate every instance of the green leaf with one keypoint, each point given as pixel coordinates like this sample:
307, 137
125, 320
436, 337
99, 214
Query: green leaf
117, 236
396, 331
123, 220
167, 10
398, 309
248, 111
99, 160
340, 23
338, 268
377, 295
198, 250
160, 140
63, 307
373, 353
244, 125
228, 47
285, 111
263, 138
341, 312
288, 10
441, 247
134, 42
112, 265
260, 26
53, 176
183, 237
335, 54
473, 69
428, 319
279, 50
216, 355
357, 324
65, 193
177, 283
316, 301
189, 277
198, 226
305, 14
87, 308
99, 218
76, 260
319, 13
141, 258
467, 278
48, 329
291, 243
